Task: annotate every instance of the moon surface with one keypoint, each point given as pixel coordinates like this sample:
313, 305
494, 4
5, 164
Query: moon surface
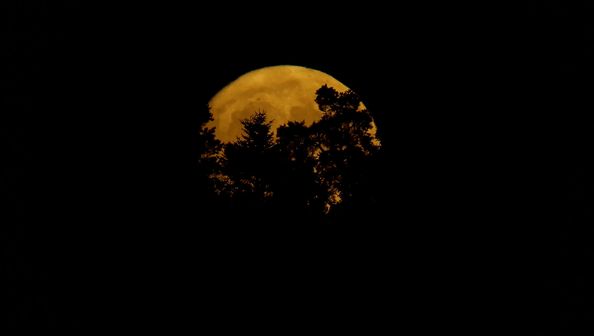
285, 92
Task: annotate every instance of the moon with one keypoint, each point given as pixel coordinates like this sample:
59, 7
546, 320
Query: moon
285, 92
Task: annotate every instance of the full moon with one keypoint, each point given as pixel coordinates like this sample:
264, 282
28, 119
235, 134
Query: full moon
285, 93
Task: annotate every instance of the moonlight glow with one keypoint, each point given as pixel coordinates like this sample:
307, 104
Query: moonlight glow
286, 93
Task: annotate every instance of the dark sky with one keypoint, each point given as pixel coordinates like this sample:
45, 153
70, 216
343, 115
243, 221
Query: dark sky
483, 122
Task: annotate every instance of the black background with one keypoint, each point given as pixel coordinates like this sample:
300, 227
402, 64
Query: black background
486, 195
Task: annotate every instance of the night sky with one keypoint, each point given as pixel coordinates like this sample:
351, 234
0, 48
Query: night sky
484, 217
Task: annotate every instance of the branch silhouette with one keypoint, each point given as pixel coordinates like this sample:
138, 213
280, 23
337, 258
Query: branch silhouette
307, 171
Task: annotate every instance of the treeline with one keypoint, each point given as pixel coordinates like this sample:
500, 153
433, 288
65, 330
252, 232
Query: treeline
313, 173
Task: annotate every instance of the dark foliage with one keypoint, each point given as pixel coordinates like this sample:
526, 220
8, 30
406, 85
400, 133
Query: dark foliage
208, 148
306, 171
248, 163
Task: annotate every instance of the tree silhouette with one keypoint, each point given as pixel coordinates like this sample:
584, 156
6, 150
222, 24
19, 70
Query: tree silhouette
249, 162
209, 152
344, 146
306, 171
299, 188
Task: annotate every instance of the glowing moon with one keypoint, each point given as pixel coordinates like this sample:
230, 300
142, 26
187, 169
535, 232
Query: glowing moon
286, 93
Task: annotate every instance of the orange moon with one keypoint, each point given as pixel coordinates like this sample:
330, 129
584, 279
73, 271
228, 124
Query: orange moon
285, 92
